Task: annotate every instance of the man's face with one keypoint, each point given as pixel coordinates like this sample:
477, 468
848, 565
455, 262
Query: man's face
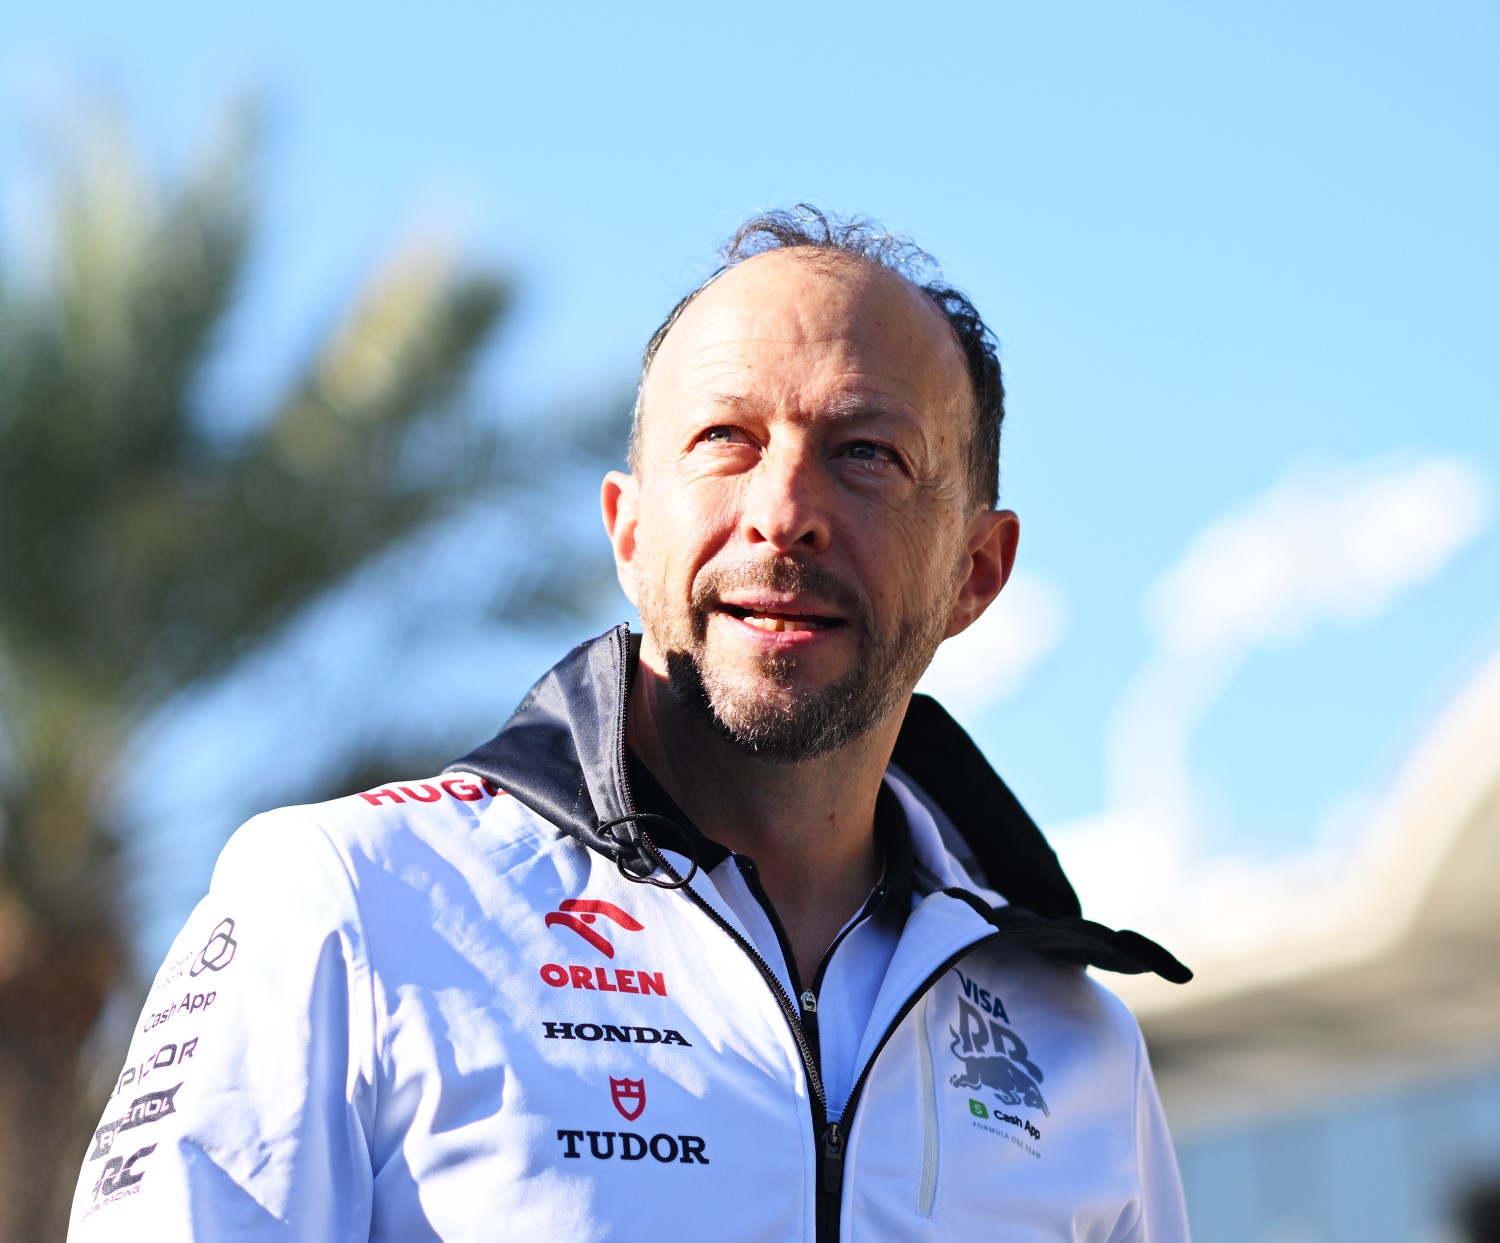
799, 534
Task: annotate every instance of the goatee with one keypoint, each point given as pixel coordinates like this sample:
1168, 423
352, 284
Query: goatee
767, 713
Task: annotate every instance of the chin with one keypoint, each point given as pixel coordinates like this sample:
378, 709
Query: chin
781, 721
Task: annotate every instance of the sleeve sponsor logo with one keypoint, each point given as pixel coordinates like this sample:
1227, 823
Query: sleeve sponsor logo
152, 1107
218, 952
171, 972
191, 1003
120, 1177
994, 1057
578, 913
167, 1055
431, 791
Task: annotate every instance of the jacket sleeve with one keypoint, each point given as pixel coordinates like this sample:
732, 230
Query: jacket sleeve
246, 1101
1162, 1215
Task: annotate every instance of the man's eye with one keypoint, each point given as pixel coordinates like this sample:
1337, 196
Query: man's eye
719, 436
869, 451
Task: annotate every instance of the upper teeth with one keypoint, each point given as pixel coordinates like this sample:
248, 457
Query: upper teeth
777, 623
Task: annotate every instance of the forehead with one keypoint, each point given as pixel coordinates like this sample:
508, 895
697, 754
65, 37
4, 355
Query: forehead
799, 330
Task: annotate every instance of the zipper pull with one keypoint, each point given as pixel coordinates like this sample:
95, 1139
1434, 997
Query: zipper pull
809, 1001
833, 1160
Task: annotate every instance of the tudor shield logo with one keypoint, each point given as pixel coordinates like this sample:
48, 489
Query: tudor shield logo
579, 913
629, 1096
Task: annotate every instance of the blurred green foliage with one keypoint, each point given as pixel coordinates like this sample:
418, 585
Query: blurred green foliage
143, 548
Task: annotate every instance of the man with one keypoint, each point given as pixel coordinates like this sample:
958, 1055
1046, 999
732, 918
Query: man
688, 949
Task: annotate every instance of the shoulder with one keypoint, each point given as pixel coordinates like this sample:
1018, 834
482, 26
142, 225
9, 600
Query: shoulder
1075, 1008
385, 864
451, 815
1045, 1035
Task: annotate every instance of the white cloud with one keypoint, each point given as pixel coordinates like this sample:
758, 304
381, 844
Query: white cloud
1331, 542
989, 661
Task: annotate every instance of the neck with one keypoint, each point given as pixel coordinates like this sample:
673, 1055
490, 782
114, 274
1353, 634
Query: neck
809, 825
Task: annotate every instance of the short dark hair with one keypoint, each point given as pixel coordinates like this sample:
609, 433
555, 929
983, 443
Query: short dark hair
805, 227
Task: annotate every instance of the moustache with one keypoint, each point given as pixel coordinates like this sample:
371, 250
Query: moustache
785, 575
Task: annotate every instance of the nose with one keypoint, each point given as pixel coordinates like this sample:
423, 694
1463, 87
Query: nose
786, 504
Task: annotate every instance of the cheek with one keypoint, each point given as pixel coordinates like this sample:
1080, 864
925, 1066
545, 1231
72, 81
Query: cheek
915, 567
677, 532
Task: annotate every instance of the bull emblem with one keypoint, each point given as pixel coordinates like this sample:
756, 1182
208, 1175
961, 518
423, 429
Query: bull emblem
994, 1057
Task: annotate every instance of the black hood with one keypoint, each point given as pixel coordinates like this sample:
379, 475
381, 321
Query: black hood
562, 754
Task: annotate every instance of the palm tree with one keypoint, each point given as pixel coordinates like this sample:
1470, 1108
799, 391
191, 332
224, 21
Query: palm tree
144, 549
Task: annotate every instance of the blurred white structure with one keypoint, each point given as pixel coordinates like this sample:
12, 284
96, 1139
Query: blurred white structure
1333, 1073
1324, 546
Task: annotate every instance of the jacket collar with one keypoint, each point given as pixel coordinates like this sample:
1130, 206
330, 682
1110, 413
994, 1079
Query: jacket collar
893, 832
562, 754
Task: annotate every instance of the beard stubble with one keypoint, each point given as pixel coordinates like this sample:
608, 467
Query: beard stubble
765, 712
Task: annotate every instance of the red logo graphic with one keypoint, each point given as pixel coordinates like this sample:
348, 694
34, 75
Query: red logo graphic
629, 1096
588, 910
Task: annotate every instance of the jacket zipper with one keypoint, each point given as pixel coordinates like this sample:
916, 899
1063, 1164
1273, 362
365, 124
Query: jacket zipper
835, 1134
830, 1179
829, 1182
832, 1135
817, 1099
807, 996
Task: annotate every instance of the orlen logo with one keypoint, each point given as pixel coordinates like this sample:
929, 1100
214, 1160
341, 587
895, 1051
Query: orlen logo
579, 913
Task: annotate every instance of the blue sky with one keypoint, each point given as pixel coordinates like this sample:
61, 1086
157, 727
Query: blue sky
1243, 265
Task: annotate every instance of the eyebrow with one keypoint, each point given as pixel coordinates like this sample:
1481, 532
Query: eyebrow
849, 406
844, 408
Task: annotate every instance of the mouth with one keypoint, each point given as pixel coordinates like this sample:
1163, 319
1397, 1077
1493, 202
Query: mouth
780, 620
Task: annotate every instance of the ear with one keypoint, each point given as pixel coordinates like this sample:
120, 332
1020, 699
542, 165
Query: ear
990, 552
617, 500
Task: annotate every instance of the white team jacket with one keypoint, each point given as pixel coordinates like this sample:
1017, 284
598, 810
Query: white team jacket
429, 1012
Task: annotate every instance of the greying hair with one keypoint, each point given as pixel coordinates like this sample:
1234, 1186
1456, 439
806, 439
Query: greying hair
805, 227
